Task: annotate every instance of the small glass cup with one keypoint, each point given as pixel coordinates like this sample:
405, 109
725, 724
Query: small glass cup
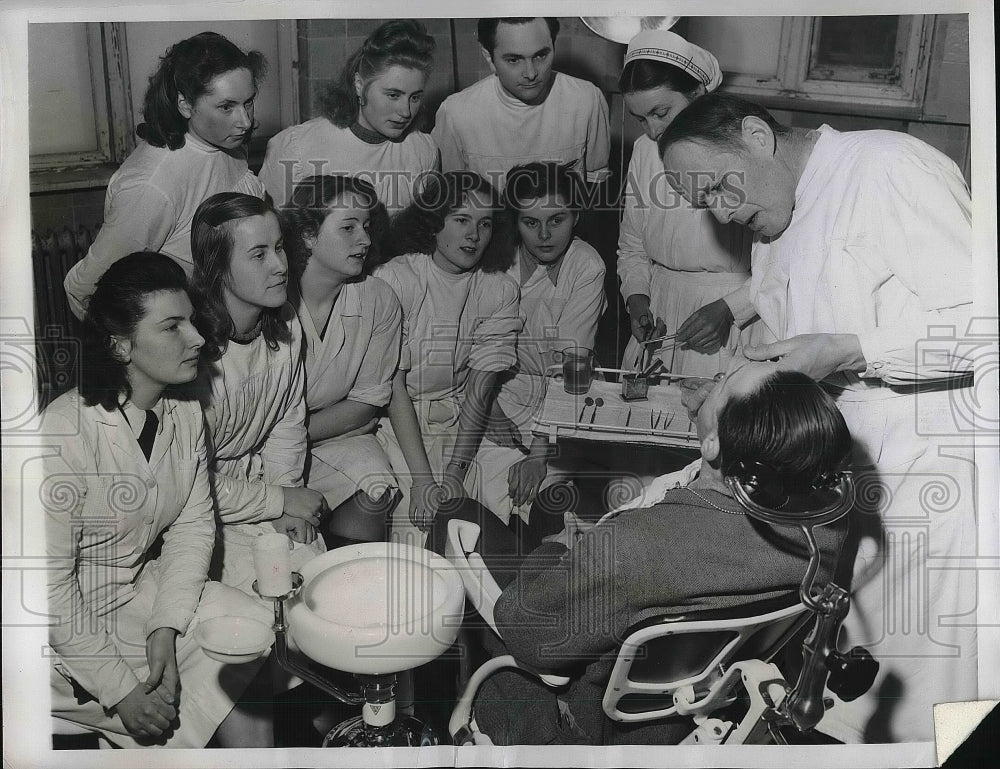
578, 365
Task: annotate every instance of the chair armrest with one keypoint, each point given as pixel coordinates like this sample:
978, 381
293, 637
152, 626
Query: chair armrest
480, 586
460, 725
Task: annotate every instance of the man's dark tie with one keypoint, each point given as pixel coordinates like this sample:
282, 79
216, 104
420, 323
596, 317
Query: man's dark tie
148, 434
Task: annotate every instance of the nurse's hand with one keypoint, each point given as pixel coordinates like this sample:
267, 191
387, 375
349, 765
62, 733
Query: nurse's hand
307, 504
707, 328
815, 355
295, 529
640, 316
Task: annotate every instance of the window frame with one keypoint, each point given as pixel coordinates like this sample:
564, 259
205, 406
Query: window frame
108, 54
792, 83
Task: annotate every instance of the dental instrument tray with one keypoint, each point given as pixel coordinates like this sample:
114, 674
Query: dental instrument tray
602, 414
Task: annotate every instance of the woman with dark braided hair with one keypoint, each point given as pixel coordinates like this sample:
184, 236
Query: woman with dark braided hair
199, 114
368, 122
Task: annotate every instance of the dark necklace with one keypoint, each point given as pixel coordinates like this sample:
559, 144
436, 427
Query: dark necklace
250, 335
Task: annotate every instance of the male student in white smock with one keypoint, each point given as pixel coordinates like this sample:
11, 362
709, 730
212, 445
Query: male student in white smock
525, 111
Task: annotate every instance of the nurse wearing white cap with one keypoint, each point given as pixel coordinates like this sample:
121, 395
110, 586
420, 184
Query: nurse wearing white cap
675, 262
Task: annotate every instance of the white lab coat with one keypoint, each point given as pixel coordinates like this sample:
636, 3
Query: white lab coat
355, 359
319, 148
451, 324
255, 412
484, 129
679, 256
150, 204
561, 306
104, 506
880, 246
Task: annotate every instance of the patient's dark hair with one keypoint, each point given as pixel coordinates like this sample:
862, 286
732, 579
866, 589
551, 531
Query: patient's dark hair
790, 424
716, 120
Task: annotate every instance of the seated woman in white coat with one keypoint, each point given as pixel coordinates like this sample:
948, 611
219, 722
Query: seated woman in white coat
675, 261
253, 394
131, 472
368, 126
460, 327
561, 280
198, 115
351, 326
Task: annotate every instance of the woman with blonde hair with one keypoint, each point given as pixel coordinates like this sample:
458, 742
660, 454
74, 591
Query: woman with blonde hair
368, 125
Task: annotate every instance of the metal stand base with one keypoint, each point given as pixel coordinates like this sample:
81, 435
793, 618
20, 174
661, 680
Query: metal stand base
404, 731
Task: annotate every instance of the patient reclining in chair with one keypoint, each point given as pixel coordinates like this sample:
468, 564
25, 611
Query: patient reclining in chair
568, 605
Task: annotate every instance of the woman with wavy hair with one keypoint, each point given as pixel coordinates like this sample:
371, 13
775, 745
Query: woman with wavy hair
368, 125
253, 394
199, 115
460, 327
130, 478
351, 325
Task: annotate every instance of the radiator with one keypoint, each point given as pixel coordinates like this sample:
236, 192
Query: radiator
57, 332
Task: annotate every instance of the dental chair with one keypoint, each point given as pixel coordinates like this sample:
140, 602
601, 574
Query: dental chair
716, 669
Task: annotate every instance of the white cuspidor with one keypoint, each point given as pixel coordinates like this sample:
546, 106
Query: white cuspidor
376, 608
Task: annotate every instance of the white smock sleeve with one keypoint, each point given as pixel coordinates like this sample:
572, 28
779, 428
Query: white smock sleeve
283, 456
917, 220
84, 646
387, 273
494, 337
634, 268
279, 168
378, 366
598, 140
584, 307
136, 218
448, 142
187, 546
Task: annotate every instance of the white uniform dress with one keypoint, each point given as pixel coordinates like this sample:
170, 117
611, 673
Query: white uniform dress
356, 359
484, 129
562, 305
150, 203
104, 506
318, 147
256, 424
879, 245
681, 257
451, 324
